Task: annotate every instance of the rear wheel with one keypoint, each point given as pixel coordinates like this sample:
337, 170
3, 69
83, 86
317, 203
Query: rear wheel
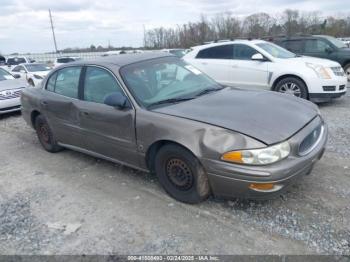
292, 86
181, 174
347, 71
45, 135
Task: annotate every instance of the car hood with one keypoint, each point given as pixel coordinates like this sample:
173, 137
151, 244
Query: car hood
313, 60
269, 117
12, 84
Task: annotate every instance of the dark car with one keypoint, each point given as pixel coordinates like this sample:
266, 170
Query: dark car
318, 46
156, 113
2, 60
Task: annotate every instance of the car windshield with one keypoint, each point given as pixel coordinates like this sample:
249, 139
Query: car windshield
276, 51
37, 67
5, 75
166, 80
336, 42
15, 61
178, 52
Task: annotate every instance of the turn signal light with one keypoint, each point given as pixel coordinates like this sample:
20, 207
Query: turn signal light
235, 156
265, 186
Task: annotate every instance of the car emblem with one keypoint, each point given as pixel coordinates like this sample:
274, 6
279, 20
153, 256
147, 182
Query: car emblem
8, 93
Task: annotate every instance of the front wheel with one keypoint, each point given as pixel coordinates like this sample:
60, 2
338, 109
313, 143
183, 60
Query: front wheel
31, 82
181, 174
292, 86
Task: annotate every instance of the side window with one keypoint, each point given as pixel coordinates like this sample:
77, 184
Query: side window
243, 52
51, 82
315, 46
99, 83
67, 82
294, 46
216, 52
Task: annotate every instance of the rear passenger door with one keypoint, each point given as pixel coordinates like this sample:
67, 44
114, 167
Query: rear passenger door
108, 131
216, 62
248, 73
60, 105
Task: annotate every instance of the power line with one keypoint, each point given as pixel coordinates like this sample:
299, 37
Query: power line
53, 32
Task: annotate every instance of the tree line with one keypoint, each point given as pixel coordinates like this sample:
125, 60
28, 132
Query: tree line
258, 25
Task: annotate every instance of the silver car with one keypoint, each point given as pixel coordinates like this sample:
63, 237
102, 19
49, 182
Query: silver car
10, 92
156, 113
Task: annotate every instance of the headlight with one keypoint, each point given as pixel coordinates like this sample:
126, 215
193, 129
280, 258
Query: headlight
320, 71
263, 156
38, 77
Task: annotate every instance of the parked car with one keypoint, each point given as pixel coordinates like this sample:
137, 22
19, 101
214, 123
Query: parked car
199, 137
321, 46
10, 92
264, 65
13, 61
2, 60
65, 59
33, 73
346, 41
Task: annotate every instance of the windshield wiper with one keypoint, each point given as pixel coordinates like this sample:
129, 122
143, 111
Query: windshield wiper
170, 101
208, 90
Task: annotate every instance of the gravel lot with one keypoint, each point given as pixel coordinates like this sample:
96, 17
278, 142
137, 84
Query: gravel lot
70, 203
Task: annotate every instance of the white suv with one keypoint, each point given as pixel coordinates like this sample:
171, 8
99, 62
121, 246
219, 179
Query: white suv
264, 65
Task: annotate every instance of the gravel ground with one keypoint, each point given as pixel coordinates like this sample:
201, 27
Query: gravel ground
70, 203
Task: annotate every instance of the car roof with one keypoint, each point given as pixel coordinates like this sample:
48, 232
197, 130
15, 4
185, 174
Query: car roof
238, 41
124, 59
297, 37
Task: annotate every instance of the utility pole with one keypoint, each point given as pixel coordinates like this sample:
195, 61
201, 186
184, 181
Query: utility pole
53, 31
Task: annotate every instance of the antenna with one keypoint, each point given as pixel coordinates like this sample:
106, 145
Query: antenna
53, 31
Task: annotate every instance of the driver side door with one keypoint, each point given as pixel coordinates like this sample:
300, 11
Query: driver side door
108, 131
248, 73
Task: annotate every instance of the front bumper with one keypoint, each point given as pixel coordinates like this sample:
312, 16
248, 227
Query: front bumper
325, 97
327, 90
232, 180
10, 105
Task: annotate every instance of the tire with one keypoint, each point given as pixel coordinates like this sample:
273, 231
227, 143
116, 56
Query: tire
181, 174
31, 82
347, 71
45, 135
293, 86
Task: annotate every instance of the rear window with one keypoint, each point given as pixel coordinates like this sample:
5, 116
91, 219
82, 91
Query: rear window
65, 60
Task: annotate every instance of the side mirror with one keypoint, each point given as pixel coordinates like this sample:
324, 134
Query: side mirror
329, 50
16, 76
117, 100
258, 57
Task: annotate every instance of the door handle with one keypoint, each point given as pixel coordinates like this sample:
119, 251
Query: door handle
204, 63
84, 113
44, 103
234, 66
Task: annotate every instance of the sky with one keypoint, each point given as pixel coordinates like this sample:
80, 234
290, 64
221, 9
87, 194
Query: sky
25, 24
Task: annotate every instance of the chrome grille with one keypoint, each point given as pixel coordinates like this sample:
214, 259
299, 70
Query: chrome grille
338, 71
10, 94
311, 140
